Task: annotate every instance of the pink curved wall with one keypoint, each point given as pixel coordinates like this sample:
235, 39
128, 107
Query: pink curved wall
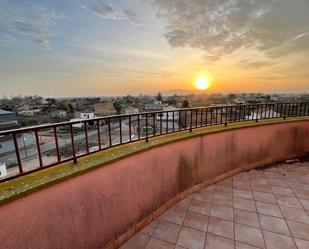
92, 209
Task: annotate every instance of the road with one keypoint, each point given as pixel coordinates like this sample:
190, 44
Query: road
10, 159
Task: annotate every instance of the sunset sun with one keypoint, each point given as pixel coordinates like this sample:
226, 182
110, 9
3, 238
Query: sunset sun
202, 83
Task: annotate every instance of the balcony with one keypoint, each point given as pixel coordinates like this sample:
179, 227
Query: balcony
105, 197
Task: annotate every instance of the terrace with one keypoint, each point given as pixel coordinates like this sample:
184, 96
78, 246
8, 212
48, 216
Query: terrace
264, 208
191, 178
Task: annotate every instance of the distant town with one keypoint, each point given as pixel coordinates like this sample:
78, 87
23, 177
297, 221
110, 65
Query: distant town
22, 111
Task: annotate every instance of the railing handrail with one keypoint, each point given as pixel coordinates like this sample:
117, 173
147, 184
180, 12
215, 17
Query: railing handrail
146, 125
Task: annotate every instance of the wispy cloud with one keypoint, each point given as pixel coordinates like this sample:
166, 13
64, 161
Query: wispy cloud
108, 12
222, 27
254, 65
7, 41
23, 28
43, 43
28, 19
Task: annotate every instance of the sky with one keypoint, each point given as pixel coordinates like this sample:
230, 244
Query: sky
118, 47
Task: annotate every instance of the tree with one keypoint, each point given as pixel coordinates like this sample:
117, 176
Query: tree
159, 97
185, 104
118, 106
64, 106
232, 96
172, 102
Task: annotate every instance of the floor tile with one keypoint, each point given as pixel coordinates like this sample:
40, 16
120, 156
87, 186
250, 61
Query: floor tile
242, 185
166, 231
191, 238
240, 245
199, 207
268, 209
202, 196
245, 194
246, 218
261, 188
139, 241
221, 227
173, 216
159, 244
150, 228
302, 194
182, 205
299, 230
218, 242
283, 191
294, 214
249, 235
209, 188
274, 224
264, 197
222, 212
222, 200
244, 204
288, 201
196, 221
276, 241
302, 244
305, 204
278, 183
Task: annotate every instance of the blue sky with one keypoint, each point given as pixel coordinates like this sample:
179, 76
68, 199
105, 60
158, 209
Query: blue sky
99, 47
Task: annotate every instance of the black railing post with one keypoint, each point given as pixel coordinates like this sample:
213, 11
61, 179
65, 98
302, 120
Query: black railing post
161, 114
173, 121
130, 131
99, 134
138, 127
166, 122
120, 130
57, 145
154, 128
225, 124
86, 137
147, 140
186, 120
73, 144
17, 154
109, 133
37, 140
191, 120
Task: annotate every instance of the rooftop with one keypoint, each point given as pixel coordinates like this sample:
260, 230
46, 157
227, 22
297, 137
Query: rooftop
2, 112
265, 208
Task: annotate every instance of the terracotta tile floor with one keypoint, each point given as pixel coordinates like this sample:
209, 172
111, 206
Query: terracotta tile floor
266, 208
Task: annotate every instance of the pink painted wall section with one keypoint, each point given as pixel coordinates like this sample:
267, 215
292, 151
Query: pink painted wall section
89, 210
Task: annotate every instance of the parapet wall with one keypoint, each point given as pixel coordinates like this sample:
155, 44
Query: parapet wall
95, 208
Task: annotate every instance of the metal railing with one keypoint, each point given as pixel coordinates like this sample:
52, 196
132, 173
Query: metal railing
52, 144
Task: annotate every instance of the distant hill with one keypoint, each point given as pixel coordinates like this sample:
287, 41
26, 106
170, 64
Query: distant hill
180, 92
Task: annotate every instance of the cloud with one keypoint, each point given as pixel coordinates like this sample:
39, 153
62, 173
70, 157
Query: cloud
223, 26
27, 19
43, 43
108, 12
251, 64
7, 40
23, 28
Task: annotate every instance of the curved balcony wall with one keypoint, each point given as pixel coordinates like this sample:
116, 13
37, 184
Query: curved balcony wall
106, 206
